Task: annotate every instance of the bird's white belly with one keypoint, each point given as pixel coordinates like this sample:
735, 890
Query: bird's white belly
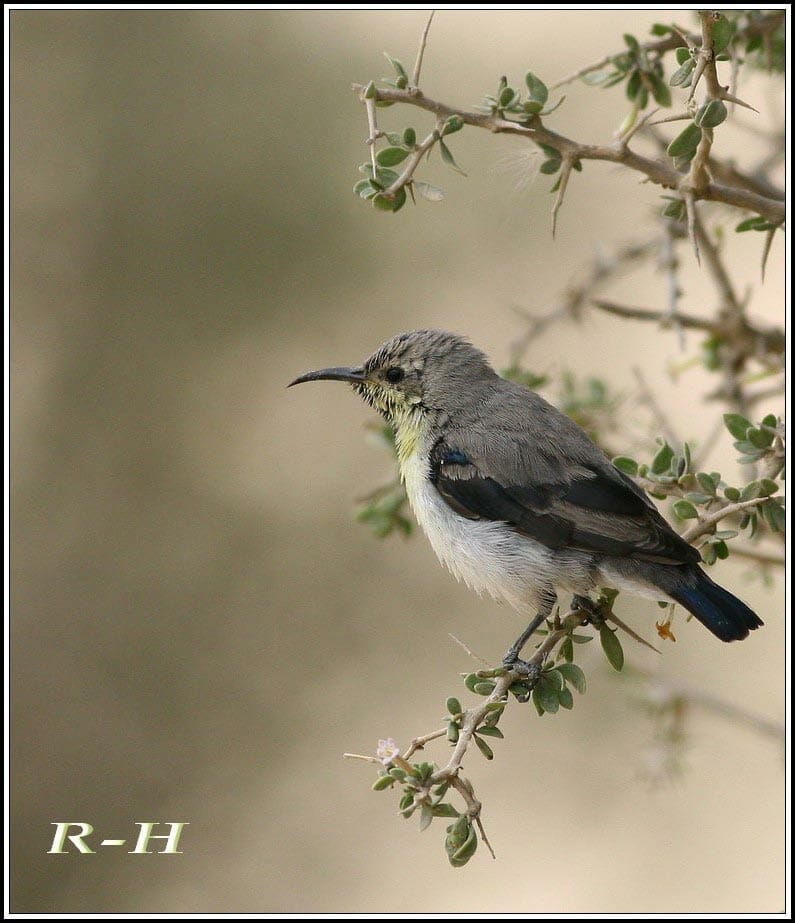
488, 556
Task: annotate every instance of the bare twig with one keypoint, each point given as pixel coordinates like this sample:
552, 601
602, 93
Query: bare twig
708, 520
412, 162
692, 696
369, 104
646, 396
669, 264
563, 182
415, 78
761, 557
648, 314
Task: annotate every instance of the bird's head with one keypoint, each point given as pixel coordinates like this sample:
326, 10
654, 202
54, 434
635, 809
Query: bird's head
415, 375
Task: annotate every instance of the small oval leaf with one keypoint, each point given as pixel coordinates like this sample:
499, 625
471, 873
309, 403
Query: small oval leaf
391, 156
686, 142
612, 648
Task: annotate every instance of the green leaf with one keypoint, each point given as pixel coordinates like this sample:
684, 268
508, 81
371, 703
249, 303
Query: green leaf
453, 732
548, 167
770, 420
566, 699
659, 90
494, 714
445, 810
751, 491
574, 675
683, 55
626, 464
447, 157
391, 156
426, 816
711, 114
566, 650
461, 842
684, 509
731, 493
536, 88
365, 189
431, 193
399, 69
675, 209
486, 730
756, 223
393, 204
662, 460
545, 695
612, 648
632, 43
453, 705
708, 553
409, 137
759, 438
686, 142
774, 515
707, 484
736, 424
370, 91
383, 782
483, 687
695, 496
769, 487
581, 639
722, 33
682, 76
659, 29
506, 96
634, 85
382, 175
471, 680
452, 124
484, 748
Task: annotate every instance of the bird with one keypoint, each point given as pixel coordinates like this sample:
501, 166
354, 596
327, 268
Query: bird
515, 498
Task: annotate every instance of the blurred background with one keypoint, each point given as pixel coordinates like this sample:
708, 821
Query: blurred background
199, 627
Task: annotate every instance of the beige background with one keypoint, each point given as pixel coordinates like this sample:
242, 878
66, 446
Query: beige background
199, 627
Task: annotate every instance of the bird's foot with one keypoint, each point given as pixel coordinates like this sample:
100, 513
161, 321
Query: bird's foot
590, 609
527, 674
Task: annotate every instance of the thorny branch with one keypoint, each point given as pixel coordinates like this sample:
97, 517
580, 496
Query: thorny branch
706, 179
534, 130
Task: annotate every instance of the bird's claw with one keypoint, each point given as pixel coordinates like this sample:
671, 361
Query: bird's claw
590, 609
526, 673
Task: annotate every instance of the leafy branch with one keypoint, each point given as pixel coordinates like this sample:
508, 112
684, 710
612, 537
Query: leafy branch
719, 517
512, 112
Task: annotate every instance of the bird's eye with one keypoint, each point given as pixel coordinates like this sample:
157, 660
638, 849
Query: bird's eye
394, 374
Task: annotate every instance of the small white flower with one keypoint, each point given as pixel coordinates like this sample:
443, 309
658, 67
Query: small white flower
387, 750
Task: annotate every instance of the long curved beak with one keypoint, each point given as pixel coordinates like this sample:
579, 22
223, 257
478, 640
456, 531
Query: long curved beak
354, 376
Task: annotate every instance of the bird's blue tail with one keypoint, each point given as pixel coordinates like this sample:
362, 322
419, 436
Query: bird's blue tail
726, 616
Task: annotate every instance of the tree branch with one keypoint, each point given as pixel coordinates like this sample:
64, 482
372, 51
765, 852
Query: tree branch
533, 130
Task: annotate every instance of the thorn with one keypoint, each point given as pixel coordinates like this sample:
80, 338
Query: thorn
730, 98
565, 173
766, 251
690, 204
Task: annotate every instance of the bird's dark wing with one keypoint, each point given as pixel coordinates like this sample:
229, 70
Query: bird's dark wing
586, 504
